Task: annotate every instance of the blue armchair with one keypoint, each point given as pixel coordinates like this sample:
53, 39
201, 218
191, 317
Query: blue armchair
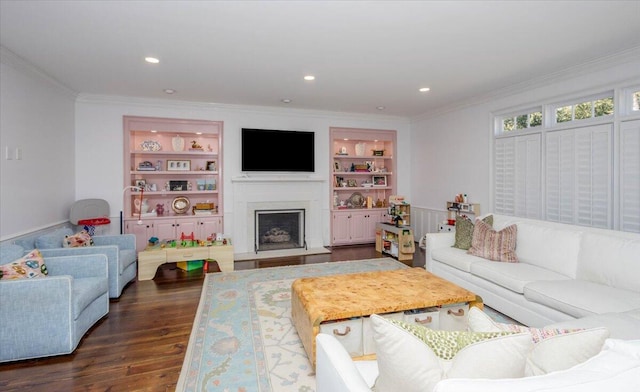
119, 249
47, 316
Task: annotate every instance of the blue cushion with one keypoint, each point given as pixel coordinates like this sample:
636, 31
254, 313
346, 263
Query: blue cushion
10, 252
52, 240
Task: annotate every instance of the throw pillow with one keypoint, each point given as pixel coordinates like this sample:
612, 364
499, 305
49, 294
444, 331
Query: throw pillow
494, 245
414, 358
77, 240
554, 349
30, 265
464, 230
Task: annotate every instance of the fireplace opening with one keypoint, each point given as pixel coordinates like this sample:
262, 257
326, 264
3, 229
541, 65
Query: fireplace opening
279, 229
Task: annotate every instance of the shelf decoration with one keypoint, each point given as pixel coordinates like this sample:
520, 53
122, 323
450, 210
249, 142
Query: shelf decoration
150, 145
360, 147
177, 143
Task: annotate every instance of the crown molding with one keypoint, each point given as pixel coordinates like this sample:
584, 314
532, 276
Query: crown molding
191, 105
594, 65
13, 60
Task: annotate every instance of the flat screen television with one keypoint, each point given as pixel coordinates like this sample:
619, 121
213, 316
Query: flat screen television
269, 150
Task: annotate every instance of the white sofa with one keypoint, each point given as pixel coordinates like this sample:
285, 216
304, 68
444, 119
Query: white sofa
615, 368
566, 276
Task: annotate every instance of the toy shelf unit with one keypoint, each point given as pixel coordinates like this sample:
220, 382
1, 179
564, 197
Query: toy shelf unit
172, 171
399, 211
454, 209
395, 241
362, 177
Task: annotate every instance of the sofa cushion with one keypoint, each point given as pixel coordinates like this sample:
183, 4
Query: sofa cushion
10, 252
126, 257
554, 349
455, 257
53, 239
623, 270
29, 266
494, 245
615, 368
464, 230
407, 363
87, 290
621, 325
580, 298
513, 276
552, 248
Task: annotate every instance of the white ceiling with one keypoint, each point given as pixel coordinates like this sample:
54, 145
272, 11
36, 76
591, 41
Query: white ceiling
364, 54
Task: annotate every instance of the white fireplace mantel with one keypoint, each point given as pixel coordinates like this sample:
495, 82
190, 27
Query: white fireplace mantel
275, 192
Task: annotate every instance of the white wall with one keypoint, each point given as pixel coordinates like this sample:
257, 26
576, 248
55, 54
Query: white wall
451, 152
36, 117
99, 150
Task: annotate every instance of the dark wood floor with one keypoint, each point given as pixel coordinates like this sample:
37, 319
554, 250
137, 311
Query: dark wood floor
140, 344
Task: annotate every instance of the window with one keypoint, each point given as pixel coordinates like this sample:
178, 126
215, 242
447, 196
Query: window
521, 121
583, 173
598, 106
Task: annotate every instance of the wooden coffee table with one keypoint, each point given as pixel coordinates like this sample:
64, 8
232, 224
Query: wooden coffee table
338, 297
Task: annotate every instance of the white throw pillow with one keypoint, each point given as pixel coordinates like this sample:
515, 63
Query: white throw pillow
554, 349
414, 358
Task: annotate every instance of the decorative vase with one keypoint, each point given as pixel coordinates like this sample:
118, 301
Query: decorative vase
360, 147
177, 143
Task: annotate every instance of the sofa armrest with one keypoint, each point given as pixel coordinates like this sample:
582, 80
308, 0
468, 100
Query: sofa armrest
435, 241
78, 266
33, 310
123, 241
335, 370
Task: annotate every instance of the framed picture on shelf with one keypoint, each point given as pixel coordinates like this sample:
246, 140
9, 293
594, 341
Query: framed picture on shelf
142, 184
336, 166
379, 180
352, 183
339, 181
211, 166
180, 165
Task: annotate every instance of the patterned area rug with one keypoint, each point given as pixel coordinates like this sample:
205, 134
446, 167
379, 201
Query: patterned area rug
243, 339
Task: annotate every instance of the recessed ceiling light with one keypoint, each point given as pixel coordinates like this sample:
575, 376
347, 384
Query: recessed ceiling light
151, 60
380, 108
198, 133
309, 77
285, 100
169, 90
424, 89
154, 131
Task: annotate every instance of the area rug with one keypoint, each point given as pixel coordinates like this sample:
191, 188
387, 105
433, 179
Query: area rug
243, 339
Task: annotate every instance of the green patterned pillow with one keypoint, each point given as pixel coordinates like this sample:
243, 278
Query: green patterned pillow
464, 231
446, 344
414, 358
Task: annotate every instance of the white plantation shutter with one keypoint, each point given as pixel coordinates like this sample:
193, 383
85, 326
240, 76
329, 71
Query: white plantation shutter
578, 176
630, 176
518, 176
505, 153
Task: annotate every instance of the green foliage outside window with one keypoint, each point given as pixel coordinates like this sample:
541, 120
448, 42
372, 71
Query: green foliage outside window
508, 124
521, 121
583, 110
536, 119
603, 107
563, 114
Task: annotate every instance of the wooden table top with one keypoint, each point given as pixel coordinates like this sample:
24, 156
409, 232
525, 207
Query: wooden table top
353, 295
